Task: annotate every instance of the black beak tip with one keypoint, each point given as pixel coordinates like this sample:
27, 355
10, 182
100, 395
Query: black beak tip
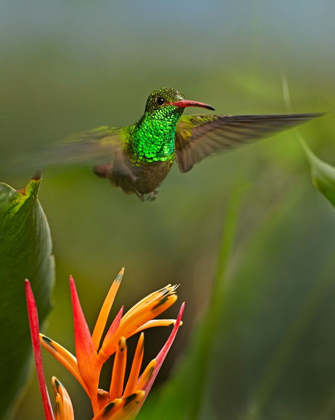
211, 108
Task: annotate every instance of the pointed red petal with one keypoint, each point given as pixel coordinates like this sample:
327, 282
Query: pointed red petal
157, 363
102, 356
88, 366
34, 332
115, 324
162, 354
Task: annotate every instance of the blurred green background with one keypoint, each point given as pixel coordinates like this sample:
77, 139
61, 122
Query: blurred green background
70, 66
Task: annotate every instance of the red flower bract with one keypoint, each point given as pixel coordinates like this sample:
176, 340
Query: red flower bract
124, 398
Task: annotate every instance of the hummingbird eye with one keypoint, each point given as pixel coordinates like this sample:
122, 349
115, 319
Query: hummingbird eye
160, 100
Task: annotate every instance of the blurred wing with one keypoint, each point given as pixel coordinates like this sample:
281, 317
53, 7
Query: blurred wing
101, 147
198, 136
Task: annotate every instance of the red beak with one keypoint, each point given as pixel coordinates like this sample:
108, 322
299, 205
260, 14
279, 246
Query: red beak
184, 104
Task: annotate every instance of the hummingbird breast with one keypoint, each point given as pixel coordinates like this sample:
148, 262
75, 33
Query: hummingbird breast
143, 178
152, 175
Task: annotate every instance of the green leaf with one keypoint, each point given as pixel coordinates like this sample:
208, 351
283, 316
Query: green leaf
25, 252
323, 174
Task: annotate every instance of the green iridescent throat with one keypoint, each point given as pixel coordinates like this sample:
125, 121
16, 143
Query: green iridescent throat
152, 138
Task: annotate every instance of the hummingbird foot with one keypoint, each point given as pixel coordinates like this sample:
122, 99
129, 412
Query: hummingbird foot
139, 195
152, 196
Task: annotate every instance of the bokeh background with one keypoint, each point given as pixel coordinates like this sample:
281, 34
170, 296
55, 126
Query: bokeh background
70, 66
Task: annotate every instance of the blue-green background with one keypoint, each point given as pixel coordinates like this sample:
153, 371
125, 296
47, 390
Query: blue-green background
67, 66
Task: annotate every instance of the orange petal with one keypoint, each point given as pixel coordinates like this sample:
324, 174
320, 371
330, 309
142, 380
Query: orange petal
105, 310
130, 325
152, 297
58, 408
150, 307
135, 367
119, 369
64, 357
63, 409
157, 323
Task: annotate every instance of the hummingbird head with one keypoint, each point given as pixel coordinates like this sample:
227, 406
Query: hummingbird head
165, 101
153, 136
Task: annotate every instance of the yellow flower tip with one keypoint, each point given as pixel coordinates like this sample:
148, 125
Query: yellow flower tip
165, 302
157, 323
169, 289
141, 341
120, 275
63, 405
46, 341
55, 385
146, 375
151, 369
122, 344
173, 323
133, 399
122, 408
109, 410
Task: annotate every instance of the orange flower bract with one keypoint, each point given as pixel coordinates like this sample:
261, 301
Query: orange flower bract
124, 398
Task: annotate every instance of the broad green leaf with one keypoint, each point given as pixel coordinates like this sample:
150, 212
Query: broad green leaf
25, 252
323, 174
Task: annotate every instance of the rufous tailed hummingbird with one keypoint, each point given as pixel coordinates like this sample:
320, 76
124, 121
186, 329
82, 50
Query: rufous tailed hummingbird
138, 157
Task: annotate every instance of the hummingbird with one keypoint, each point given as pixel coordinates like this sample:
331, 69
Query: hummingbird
137, 158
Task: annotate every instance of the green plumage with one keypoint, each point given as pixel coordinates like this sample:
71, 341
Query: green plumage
151, 139
137, 158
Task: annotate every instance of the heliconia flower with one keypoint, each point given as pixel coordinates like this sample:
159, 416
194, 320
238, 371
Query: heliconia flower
124, 399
